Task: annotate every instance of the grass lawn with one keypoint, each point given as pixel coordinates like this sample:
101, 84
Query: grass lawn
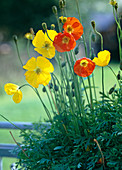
31, 110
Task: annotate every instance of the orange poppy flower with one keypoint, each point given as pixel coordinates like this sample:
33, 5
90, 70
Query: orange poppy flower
74, 27
84, 67
64, 42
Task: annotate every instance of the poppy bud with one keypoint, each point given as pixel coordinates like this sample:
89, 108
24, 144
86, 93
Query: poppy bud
32, 31
76, 50
93, 24
73, 85
56, 87
15, 38
120, 64
63, 64
118, 75
64, 20
116, 6
50, 85
73, 93
44, 26
112, 89
52, 26
93, 37
61, 4
54, 9
44, 89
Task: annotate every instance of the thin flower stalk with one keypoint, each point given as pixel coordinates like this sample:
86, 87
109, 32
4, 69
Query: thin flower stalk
18, 53
90, 49
47, 111
114, 75
84, 41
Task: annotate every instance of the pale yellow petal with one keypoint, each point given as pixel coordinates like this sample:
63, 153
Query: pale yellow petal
45, 65
97, 61
46, 52
39, 39
44, 78
103, 58
10, 88
31, 78
17, 97
31, 64
51, 34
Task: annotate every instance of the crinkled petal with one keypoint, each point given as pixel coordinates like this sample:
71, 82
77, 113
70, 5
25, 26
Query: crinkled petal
45, 65
51, 34
103, 58
44, 78
31, 78
84, 71
31, 64
39, 39
10, 88
48, 53
17, 97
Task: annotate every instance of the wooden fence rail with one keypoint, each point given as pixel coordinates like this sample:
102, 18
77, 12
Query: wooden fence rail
5, 149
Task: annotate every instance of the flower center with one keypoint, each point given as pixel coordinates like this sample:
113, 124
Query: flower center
46, 45
38, 70
69, 29
65, 40
84, 63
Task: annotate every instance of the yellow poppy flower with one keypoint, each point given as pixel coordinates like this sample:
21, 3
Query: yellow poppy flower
13, 89
43, 44
38, 71
103, 58
29, 36
113, 2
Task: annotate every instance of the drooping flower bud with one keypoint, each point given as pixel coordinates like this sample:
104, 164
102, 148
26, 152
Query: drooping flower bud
63, 64
73, 85
52, 26
15, 38
118, 75
112, 89
32, 31
44, 26
120, 64
44, 89
54, 9
93, 25
61, 4
50, 85
76, 50
116, 6
93, 37
56, 87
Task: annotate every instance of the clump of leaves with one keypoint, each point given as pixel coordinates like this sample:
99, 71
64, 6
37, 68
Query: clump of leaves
60, 148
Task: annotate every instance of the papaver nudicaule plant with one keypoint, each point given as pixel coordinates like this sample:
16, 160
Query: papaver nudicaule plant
84, 126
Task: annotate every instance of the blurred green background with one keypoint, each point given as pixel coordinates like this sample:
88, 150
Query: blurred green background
16, 17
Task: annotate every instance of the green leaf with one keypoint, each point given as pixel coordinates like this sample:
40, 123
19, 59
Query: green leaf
58, 147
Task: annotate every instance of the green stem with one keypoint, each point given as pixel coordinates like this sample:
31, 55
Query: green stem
36, 91
18, 54
10, 122
114, 75
118, 33
94, 87
28, 46
47, 111
84, 41
91, 98
50, 101
103, 85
